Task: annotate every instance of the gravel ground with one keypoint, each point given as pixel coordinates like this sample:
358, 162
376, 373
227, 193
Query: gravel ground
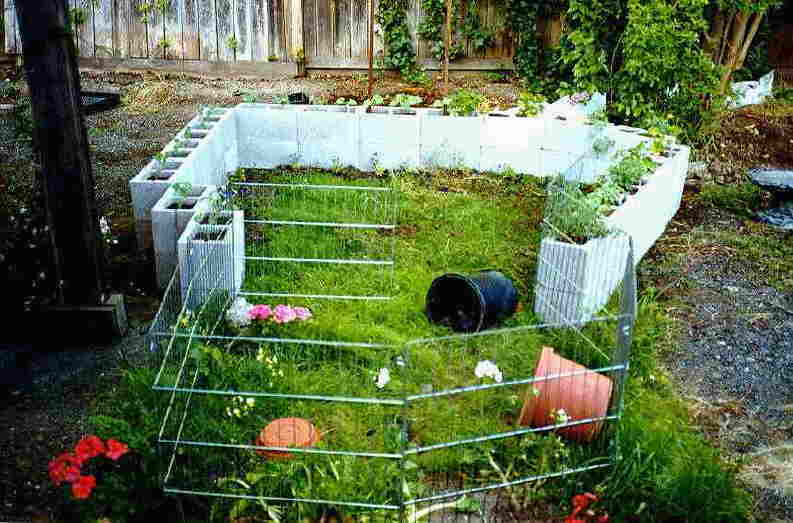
734, 359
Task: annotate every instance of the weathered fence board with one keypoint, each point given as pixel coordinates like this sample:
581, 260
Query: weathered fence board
191, 35
103, 29
335, 33
12, 43
174, 32
207, 26
225, 29
276, 32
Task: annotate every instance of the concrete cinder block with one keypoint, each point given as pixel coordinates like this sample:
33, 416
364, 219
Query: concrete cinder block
328, 136
266, 135
216, 262
390, 140
170, 216
451, 141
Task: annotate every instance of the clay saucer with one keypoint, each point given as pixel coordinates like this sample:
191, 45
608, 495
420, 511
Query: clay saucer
286, 432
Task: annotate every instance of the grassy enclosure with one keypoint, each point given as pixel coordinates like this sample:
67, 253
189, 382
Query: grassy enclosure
434, 425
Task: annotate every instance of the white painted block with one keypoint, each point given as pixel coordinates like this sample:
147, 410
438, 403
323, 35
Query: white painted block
391, 140
169, 216
207, 266
574, 281
327, 136
266, 135
451, 141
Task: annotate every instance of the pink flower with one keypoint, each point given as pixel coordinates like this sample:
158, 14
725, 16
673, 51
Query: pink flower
302, 313
283, 314
260, 312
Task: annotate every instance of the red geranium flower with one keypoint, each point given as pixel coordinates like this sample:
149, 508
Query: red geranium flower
88, 447
82, 488
116, 449
65, 467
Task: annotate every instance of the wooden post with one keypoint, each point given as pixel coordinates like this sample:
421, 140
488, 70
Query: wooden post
62, 150
371, 48
447, 41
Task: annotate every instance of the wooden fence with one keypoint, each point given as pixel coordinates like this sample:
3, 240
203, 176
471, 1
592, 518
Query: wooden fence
332, 33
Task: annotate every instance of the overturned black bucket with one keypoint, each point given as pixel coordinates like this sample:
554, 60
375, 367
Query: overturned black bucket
471, 303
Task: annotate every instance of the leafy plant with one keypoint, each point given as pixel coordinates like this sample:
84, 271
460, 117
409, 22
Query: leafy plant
530, 104
464, 102
405, 101
164, 43
232, 42
572, 215
77, 16
374, 100
601, 145
281, 99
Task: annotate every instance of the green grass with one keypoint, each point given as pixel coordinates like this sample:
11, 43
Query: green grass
449, 222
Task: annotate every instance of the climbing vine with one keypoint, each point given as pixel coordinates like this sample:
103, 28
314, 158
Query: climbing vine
399, 53
470, 30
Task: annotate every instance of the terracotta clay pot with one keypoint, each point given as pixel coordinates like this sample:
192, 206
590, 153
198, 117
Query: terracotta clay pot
581, 397
286, 432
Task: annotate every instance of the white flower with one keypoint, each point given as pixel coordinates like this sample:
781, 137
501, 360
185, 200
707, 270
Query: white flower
237, 315
400, 361
250, 402
561, 416
104, 226
488, 369
383, 377
237, 412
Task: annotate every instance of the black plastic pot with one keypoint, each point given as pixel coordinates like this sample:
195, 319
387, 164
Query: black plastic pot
471, 303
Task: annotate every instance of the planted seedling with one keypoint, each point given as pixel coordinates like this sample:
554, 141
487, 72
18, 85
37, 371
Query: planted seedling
601, 145
405, 101
530, 104
182, 190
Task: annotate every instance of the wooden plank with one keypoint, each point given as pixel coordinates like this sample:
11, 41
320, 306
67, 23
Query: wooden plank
310, 38
12, 45
277, 40
120, 16
242, 29
191, 36
341, 37
207, 29
103, 28
173, 29
155, 33
324, 28
137, 31
359, 30
225, 29
85, 33
258, 35
194, 67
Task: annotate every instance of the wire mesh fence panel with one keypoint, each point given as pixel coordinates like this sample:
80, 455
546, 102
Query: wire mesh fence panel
299, 234
280, 404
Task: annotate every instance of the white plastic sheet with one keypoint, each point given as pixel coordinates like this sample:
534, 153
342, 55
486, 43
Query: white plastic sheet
752, 92
576, 111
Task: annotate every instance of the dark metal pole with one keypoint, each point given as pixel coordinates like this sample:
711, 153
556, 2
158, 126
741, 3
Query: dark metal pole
62, 149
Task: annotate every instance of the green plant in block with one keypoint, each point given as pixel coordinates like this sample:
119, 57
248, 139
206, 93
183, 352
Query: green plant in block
530, 104
464, 102
405, 101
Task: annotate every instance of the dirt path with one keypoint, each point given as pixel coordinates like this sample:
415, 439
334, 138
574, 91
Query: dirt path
734, 360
